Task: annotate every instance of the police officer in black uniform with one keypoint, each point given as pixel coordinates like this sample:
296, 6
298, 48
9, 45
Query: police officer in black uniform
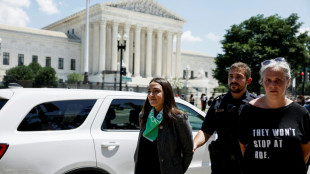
222, 118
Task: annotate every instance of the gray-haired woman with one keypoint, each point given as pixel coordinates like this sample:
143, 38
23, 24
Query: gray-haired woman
274, 131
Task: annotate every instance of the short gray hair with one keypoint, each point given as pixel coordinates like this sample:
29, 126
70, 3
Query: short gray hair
283, 65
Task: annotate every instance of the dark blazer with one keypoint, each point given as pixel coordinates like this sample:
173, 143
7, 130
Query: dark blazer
174, 145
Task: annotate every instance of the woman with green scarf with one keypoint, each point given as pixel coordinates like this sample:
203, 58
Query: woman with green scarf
165, 141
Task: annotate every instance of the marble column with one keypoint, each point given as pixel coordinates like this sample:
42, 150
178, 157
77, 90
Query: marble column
137, 51
173, 59
154, 42
178, 55
169, 58
142, 53
131, 47
95, 59
109, 47
149, 53
114, 46
126, 53
102, 45
159, 53
82, 48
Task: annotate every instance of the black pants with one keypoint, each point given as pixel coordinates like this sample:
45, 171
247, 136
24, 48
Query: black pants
224, 161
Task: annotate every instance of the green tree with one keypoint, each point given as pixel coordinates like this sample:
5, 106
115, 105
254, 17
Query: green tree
42, 77
46, 77
258, 39
221, 89
74, 77
18, 73
307, 88
21, 73
35, 67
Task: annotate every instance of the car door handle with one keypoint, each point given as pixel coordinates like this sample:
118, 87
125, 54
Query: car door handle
110, 145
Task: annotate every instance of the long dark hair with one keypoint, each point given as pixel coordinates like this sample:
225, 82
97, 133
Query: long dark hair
170, 106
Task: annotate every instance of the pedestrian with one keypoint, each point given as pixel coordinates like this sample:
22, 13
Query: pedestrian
222, 117
275, 131
165, 141
192, 99
182, 96
203, 99
300, 100
307, 105
210, 101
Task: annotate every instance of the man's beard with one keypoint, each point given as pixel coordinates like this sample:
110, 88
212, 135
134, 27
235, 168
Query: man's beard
238, 88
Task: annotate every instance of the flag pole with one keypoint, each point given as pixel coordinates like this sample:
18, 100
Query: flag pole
86, 44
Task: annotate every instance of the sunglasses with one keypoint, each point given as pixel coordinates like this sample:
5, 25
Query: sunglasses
277, 60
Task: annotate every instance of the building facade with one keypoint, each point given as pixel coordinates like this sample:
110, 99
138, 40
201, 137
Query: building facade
200, 79
21, 46
153, 45
149, 26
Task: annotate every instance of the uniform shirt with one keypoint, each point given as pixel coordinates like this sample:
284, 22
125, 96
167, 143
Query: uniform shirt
274, 138
223, 115
307, 106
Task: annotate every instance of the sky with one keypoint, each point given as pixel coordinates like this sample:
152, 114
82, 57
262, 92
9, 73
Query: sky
207, 21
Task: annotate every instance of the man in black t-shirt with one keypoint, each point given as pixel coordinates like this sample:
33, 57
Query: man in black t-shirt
222, 117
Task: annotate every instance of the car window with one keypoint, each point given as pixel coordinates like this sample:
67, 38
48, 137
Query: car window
57, 115
195, 119
2, 102
123, 114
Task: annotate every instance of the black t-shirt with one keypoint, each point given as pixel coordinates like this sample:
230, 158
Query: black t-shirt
274, 138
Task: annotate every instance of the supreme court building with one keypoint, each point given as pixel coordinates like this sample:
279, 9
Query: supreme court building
153, 45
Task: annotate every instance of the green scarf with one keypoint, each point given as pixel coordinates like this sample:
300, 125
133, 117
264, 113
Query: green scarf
152, 123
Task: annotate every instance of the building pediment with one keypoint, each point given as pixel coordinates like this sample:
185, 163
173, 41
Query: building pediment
151, 7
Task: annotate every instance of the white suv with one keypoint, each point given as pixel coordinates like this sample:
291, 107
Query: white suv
67, 131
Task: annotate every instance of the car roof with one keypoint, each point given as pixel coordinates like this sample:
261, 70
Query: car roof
90, 93
77, 93
178, 100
